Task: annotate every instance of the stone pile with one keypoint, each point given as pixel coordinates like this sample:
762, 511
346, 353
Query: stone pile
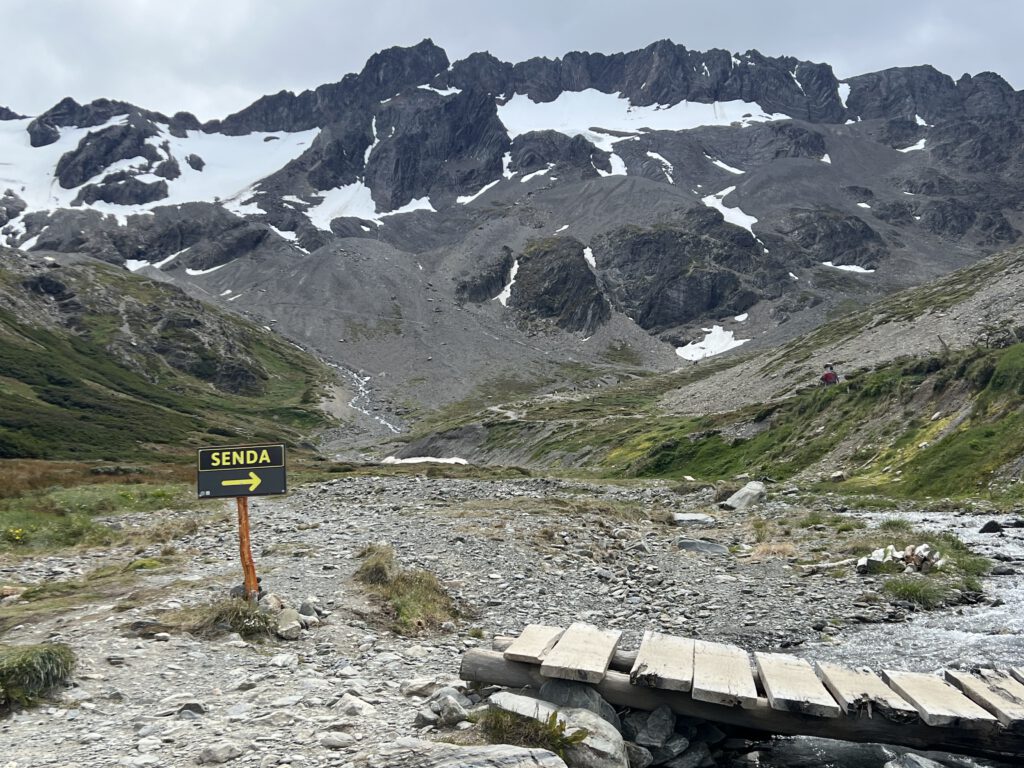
913, 559
631, 739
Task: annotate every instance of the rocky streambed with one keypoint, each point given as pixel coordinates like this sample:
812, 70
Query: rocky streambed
511, 552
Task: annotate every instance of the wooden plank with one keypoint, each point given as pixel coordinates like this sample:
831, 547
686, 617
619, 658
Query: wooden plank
861, 692
988, 739
1017, 672
722, 675
582, 653
792, 686
1006, 703
533, 644
664, 662
938, 702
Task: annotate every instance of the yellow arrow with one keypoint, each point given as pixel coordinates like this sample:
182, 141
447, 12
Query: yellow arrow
253, 481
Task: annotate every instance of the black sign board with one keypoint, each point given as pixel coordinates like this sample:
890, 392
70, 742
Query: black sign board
242, 470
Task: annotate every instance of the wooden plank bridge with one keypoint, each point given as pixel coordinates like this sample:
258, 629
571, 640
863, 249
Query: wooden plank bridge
980, 713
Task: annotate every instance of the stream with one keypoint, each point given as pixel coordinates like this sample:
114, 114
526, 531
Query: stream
981, 635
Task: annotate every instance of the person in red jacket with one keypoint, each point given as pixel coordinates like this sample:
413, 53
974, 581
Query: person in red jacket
829, 376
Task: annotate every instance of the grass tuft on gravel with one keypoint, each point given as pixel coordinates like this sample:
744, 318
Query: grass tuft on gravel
416, 599
919, 590
501, 727
223, 617
30, 672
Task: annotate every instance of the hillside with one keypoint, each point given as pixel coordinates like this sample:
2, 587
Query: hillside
930, 403
98, 363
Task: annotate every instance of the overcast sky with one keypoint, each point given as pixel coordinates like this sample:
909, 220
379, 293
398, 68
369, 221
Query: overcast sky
213, 57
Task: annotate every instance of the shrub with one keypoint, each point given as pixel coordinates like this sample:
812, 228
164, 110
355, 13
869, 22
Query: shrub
29, 672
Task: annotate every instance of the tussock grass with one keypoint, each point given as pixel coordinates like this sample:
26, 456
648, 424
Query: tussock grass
920, 590
30, 672
223, 617
416, 600
501, 727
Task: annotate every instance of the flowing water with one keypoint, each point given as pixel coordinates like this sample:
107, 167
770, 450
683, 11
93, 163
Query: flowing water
972, 636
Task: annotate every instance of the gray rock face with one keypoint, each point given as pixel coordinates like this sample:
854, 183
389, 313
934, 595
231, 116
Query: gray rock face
122, 189
99, 149
11, 206
672, 275
829, 235
555, 283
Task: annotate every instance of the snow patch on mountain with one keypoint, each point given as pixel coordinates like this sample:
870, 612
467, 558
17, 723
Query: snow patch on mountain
716, 341
723, 166
732, 215
598, 116
233, 166
464, 199
506, 292
848, 267
666, 166
913, 147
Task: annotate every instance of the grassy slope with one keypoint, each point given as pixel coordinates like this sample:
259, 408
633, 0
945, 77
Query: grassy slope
877, 425
64, 395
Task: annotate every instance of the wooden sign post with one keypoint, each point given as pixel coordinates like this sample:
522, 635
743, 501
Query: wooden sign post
252, 589
260, 470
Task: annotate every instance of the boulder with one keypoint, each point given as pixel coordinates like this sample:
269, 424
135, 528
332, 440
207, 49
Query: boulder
568, 693
704, 547
218, 753
750, 494
289, 625
992, 526
639, 757
602, 748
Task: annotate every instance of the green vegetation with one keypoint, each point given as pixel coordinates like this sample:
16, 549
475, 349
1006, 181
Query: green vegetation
96, 393
895, 525
416, 600
623, 431
223, 617
920, 590
30, 672
500, 727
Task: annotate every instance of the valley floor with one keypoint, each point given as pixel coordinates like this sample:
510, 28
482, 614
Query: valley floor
512, 552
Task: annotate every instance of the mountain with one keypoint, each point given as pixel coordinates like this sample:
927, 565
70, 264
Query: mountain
453, 231
98, 363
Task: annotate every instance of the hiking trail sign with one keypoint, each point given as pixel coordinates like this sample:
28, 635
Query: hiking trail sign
245, 470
